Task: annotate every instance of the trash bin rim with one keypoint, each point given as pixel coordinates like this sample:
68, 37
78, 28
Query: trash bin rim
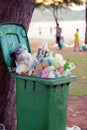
47, 81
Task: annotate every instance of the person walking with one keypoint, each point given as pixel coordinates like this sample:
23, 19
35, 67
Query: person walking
76, 40
58, 35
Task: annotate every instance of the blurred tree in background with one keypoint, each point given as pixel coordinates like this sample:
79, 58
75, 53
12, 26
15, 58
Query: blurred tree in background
55, 5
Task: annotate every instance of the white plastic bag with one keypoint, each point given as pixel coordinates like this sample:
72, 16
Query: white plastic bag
73, 128
2, 127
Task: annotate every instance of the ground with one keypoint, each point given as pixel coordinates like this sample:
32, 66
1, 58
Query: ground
77, 112
77, 108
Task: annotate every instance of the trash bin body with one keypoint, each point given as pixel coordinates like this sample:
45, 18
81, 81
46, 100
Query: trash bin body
41, 103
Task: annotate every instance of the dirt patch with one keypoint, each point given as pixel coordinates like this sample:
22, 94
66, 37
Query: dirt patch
77, 112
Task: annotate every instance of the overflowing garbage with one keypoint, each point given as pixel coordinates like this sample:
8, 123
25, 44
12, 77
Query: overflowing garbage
43, 63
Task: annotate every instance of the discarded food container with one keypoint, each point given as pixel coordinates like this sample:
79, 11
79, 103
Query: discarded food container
41, 103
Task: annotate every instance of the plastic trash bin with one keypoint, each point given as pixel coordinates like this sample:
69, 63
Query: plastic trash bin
41, 103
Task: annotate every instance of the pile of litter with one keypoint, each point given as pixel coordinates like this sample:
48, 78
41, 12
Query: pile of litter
42, 64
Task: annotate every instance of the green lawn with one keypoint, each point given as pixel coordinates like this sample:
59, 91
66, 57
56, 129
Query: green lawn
79, 87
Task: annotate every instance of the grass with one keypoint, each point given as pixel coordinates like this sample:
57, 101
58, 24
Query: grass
79, 87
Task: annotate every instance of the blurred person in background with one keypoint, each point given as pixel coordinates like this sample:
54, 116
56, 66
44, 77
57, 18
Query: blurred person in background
76, 40
58, 35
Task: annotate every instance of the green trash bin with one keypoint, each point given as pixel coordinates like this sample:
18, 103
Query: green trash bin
41, 103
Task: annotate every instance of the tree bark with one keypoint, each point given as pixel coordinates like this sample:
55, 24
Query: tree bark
86, 25
11, 11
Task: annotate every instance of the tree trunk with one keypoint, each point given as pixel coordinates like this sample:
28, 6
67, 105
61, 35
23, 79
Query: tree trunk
86, 25
11, 11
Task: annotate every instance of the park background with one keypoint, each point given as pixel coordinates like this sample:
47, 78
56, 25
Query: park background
42, 25
69, 19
